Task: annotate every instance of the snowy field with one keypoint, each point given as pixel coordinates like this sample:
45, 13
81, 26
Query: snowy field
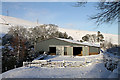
78, 34
94, 69
7, 21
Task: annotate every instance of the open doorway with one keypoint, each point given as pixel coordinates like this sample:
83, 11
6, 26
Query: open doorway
77, 51
65, 50
52, 50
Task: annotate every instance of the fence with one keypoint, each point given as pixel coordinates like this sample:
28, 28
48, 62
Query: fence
64, 63
48, 63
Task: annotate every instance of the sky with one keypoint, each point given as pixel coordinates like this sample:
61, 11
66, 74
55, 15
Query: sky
63, 14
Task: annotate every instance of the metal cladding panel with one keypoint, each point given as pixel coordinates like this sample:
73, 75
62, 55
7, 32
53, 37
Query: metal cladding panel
69, 50
85, 51
94, 50
59, 50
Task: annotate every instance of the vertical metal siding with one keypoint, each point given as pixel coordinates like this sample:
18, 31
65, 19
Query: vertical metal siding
69, 50
94, 50
59, 50
85, 51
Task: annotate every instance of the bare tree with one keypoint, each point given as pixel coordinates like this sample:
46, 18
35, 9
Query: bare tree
42, 32
109, 11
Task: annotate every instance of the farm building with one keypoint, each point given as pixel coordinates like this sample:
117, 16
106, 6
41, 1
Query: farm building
59, 46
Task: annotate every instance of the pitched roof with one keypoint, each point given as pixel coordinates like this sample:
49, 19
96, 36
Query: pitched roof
81, 43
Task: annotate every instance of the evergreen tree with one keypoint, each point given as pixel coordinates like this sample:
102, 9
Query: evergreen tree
86, 37
99, 37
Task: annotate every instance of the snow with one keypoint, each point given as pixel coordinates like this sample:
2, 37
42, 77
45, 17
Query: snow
83, 43
66, 61
2, 47
78, 34
92, 70
7, 22
3, 29
111, 56
112, 61
73, 58
15, 21
116, 72
40, 57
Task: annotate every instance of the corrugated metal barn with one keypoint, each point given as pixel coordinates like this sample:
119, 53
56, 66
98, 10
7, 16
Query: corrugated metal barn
59, 46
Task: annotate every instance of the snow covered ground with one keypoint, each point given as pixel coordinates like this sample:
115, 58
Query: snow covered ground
74, 58
91, 70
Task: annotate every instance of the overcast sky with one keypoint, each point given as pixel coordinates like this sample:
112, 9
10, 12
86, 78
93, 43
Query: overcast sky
62, 14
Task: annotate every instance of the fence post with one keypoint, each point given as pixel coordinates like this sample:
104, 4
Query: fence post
63, 63
24, 64
14, 66
29, 64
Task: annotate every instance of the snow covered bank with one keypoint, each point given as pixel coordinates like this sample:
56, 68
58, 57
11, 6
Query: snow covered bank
65, 61
92, 70
112, 62
75, 58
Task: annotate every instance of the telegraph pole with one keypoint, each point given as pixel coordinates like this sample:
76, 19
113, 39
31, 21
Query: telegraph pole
7, 13
37, 21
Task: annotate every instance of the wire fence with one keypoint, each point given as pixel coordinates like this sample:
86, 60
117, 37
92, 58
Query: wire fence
58, 64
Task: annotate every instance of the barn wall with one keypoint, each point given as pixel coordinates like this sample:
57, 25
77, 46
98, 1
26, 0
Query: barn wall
93, 50
44, 45
85, 51
59, 50
69, 50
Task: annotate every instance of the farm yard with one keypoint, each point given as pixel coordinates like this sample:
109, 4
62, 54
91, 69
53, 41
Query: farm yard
89, 67
64, 61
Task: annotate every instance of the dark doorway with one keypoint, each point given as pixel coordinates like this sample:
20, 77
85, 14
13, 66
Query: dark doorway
77, 51
65, 50
52, 50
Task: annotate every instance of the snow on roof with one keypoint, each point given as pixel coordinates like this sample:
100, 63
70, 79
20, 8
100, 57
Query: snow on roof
82, 43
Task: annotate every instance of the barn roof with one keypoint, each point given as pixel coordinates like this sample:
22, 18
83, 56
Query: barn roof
81, 43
